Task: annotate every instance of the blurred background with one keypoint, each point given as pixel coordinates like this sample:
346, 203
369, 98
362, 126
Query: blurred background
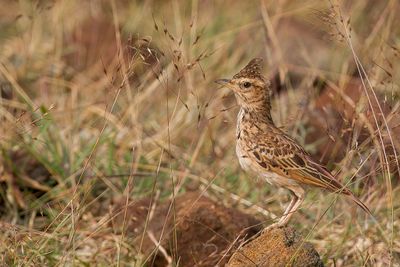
106, 104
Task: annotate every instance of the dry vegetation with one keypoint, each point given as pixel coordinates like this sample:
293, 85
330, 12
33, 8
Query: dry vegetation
106, 102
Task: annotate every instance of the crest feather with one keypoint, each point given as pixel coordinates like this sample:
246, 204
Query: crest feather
252, 70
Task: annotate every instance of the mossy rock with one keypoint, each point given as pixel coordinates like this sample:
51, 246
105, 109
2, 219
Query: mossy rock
276, 247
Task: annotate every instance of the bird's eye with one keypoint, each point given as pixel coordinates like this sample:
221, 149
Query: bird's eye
246, 84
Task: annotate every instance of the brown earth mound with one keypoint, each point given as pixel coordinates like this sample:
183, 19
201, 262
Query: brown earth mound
276, 247
207, 234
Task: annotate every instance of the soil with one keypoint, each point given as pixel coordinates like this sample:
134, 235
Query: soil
207, 233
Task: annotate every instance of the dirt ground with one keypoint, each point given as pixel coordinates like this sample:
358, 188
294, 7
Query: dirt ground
208, 234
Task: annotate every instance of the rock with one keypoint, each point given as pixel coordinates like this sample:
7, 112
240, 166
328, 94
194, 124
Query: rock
276, 247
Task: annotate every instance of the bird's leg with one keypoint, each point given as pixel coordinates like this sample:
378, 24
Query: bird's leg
290, 206
297, 199
285, 214
288, 209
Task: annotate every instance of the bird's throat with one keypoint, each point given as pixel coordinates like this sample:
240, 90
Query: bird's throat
258, 110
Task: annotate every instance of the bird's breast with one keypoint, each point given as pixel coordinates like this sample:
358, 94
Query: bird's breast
244, 160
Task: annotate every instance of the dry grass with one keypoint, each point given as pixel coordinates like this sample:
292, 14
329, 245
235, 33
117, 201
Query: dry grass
109, 100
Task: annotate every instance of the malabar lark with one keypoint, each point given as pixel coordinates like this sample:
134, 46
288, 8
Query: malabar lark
266, 151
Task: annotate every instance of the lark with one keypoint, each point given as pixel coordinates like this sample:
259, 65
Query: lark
266, 151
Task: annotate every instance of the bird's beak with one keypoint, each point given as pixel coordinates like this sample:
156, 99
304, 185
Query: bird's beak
222, 82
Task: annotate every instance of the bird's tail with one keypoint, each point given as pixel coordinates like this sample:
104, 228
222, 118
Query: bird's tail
358, 202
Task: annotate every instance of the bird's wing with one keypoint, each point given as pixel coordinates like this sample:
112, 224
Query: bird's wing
284, 156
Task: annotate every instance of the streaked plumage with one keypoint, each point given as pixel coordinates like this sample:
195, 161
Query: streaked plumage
266, 151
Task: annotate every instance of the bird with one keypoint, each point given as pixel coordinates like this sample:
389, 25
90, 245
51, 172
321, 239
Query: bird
267, 152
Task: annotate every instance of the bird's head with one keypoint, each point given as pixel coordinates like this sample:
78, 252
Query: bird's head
251, 88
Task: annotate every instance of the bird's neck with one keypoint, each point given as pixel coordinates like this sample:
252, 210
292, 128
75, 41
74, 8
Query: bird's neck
258, 109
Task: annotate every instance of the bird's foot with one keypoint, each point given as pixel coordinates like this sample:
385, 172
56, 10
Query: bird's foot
269, 227
272, 226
